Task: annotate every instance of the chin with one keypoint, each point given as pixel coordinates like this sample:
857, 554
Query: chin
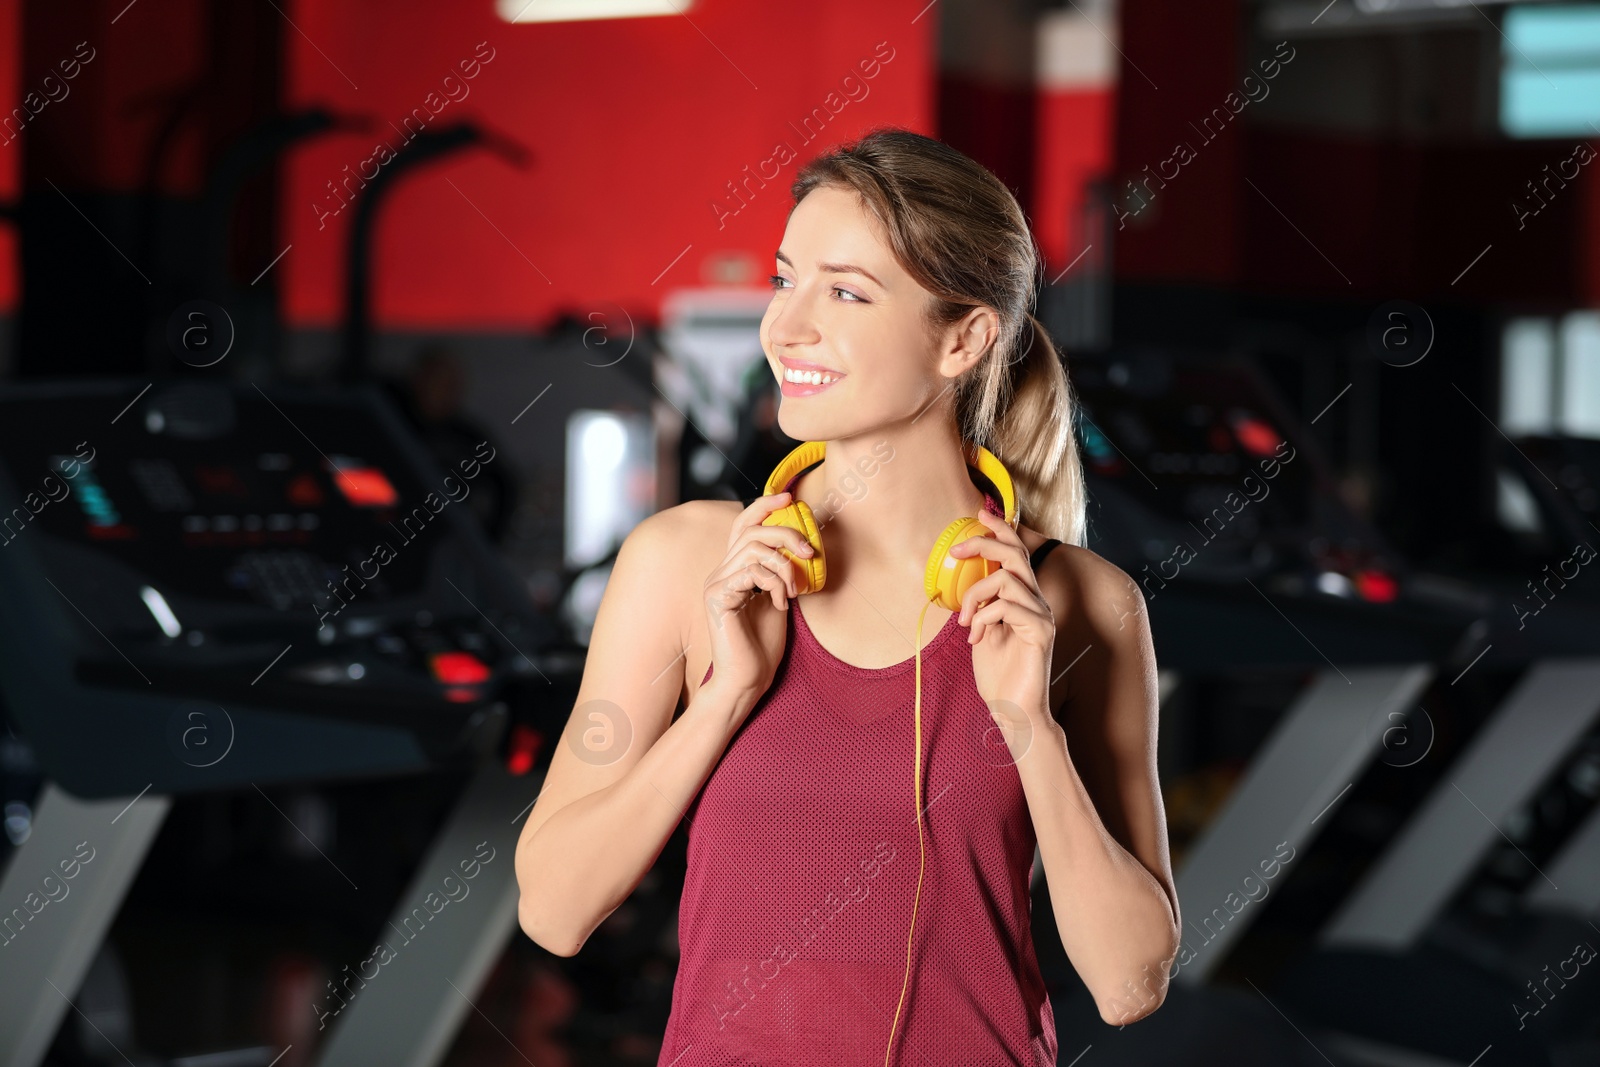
813, 425
798, 429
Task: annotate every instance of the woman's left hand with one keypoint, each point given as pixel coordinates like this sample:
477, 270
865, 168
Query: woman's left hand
1013, 634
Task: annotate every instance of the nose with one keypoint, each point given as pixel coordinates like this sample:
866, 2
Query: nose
790, 319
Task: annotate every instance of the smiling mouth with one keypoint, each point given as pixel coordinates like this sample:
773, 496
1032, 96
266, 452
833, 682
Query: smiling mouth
809, 377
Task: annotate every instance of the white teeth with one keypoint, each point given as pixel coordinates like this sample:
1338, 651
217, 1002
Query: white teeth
812, 377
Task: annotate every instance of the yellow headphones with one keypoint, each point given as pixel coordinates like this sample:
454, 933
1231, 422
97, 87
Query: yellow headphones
945, 581
947, 577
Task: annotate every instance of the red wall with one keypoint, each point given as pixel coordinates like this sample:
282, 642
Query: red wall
637, 127
1405, 220
10, 151
1329, 214
1074, 139
994, 123
98, 138
1589, 235
1179, 61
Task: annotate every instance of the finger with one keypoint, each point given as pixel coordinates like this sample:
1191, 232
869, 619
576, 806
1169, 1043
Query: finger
1020, 617
1013, 557
1000, 577
779, 562
736, 581
1008, 594
776, 537
1001, 583
762, 576
1003, 530
780, 594
995, 546
759, 509
727, 591
775, 559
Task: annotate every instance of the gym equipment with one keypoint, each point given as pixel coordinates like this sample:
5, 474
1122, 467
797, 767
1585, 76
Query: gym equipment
212, 586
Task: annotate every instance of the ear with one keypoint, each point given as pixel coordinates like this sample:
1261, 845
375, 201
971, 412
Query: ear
968, 339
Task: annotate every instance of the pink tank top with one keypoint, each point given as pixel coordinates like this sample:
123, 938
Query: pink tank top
802, 868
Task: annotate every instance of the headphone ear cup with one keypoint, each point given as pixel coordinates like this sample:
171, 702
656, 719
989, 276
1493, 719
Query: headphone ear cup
948, 577
813, 572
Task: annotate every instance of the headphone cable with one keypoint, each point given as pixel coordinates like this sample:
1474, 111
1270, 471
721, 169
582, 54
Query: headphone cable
916, 800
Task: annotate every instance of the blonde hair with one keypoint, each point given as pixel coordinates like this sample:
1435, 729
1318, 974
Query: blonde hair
957, 229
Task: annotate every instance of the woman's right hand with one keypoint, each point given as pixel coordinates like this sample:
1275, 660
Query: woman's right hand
745, 655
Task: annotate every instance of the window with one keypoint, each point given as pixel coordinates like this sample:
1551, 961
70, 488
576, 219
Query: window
1550, 375
573, 10
1550, 70
610, 481
1549, 386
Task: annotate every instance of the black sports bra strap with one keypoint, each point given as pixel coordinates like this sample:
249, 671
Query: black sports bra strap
1042, 551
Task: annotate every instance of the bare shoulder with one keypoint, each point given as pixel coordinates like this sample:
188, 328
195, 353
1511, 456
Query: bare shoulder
700, 527
684, 542
1087, 592
690, 539
1102, 632
685, 531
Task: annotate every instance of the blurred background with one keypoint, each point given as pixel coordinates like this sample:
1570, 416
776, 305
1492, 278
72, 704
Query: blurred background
342, 341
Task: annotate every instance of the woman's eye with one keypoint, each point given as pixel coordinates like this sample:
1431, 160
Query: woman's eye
778, 281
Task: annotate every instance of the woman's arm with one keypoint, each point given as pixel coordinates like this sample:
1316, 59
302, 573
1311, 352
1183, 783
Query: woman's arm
1093, 790
623, 772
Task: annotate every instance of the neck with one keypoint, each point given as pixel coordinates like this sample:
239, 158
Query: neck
883, 497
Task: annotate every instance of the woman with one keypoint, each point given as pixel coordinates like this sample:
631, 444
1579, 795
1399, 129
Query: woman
859, 843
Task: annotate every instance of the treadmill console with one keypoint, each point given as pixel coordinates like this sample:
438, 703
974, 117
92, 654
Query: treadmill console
256, 560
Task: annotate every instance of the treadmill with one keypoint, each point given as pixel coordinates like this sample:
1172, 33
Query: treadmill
1211, 495
1207, 492
217, 586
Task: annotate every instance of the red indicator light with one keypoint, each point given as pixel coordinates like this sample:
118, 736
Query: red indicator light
458, 668
119, 532
1256, 436
1376, 586
223, 481
366, 487
523, 748
304, 492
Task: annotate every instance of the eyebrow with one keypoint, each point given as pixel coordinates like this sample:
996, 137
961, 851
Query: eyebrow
838, 268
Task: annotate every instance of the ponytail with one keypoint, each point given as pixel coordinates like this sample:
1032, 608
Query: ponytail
1031, 432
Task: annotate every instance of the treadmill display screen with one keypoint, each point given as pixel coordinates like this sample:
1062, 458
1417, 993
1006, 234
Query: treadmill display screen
196, 560
1191, 467
262, 502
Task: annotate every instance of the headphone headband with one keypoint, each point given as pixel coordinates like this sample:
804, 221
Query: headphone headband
796, 461
978, 458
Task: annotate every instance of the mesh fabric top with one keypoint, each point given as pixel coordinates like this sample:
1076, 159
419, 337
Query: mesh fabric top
802, 867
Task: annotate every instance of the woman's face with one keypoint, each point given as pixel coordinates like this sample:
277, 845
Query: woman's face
842, 306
